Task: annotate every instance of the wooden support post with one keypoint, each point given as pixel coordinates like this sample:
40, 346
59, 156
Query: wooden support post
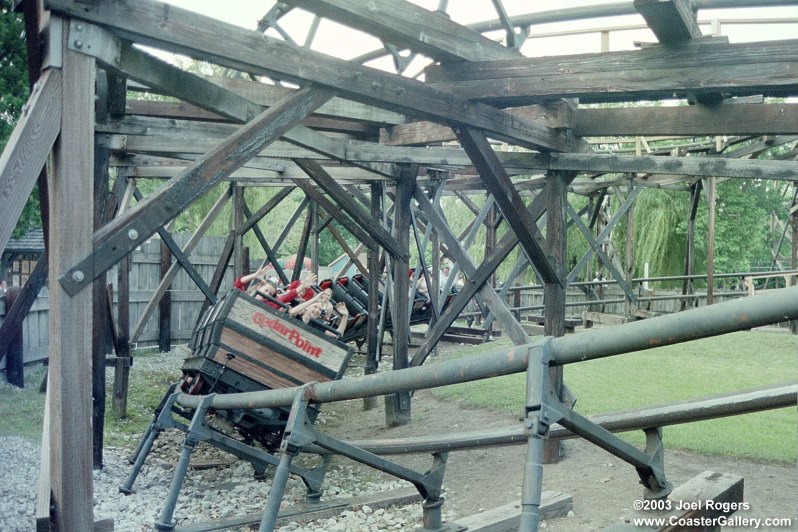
554, 292
165, 305
15, 359
237, 221
314, 240
630, 249
689, 259
70, 316
122, 367
794, 253
372, 331
397, 406
711, 241
99, 318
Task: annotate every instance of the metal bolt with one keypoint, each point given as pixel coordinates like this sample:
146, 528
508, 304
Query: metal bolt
78, 276
400, 90
132, 234
78, 43
375, 85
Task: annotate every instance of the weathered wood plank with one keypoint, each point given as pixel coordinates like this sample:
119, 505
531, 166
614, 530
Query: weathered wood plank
672, 21
688, 120
404, 24
27, 149
180, 30
506, 518
135, 226
558, 114
767, 68
70, 314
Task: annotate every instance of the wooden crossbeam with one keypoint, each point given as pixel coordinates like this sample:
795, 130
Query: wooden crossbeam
651, 73
477, 279
27, 149
404, 24
128, 231
312, 192
510, 203
350, 206
672, 21
688, 120
174, 269
204, 38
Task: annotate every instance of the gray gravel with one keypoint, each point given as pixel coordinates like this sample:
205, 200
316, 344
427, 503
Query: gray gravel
224, 491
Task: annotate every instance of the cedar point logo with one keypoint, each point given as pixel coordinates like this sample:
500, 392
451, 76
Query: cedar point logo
289, 333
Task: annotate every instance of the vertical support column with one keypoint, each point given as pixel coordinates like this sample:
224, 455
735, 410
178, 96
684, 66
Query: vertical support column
314, 239
711, 241
165, 304
689, 259
630, 248
15, 357
372, 331
794, 253
70, 444
122, 368
397, 406
238, 221
554, 294
99, 315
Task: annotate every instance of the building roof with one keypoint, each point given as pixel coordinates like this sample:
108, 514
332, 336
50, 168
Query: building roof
30, 242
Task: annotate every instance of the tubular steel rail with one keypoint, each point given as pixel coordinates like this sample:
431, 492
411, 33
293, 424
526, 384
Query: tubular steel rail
543, 410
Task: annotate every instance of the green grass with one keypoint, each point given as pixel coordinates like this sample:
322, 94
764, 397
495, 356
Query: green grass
22, 409
692, 370
687, 371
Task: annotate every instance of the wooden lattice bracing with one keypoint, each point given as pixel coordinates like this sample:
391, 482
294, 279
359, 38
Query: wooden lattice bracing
353, 139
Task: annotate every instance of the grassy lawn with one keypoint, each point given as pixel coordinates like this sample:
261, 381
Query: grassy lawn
692, 370
697, 369
22, 410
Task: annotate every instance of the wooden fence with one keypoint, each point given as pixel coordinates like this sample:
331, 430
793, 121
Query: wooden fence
145, 274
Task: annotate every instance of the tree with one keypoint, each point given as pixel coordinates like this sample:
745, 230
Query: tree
14, 91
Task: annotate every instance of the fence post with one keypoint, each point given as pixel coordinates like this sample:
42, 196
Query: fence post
15, 374
165, 305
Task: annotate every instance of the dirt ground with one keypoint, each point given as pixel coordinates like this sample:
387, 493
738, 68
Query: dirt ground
603, 487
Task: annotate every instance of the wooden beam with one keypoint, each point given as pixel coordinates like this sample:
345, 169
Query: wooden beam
557, 114
166, 280
689, 120
404, 24
650, 73
176, 29
512, 206
672, 21
723, 166
27, 149
397, 406
350, 206
70, 313
477, 284
15, 313
128, 231
312, 192
271, 254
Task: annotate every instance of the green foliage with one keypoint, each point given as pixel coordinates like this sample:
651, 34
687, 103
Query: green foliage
13, 70
14, 93
680, 372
